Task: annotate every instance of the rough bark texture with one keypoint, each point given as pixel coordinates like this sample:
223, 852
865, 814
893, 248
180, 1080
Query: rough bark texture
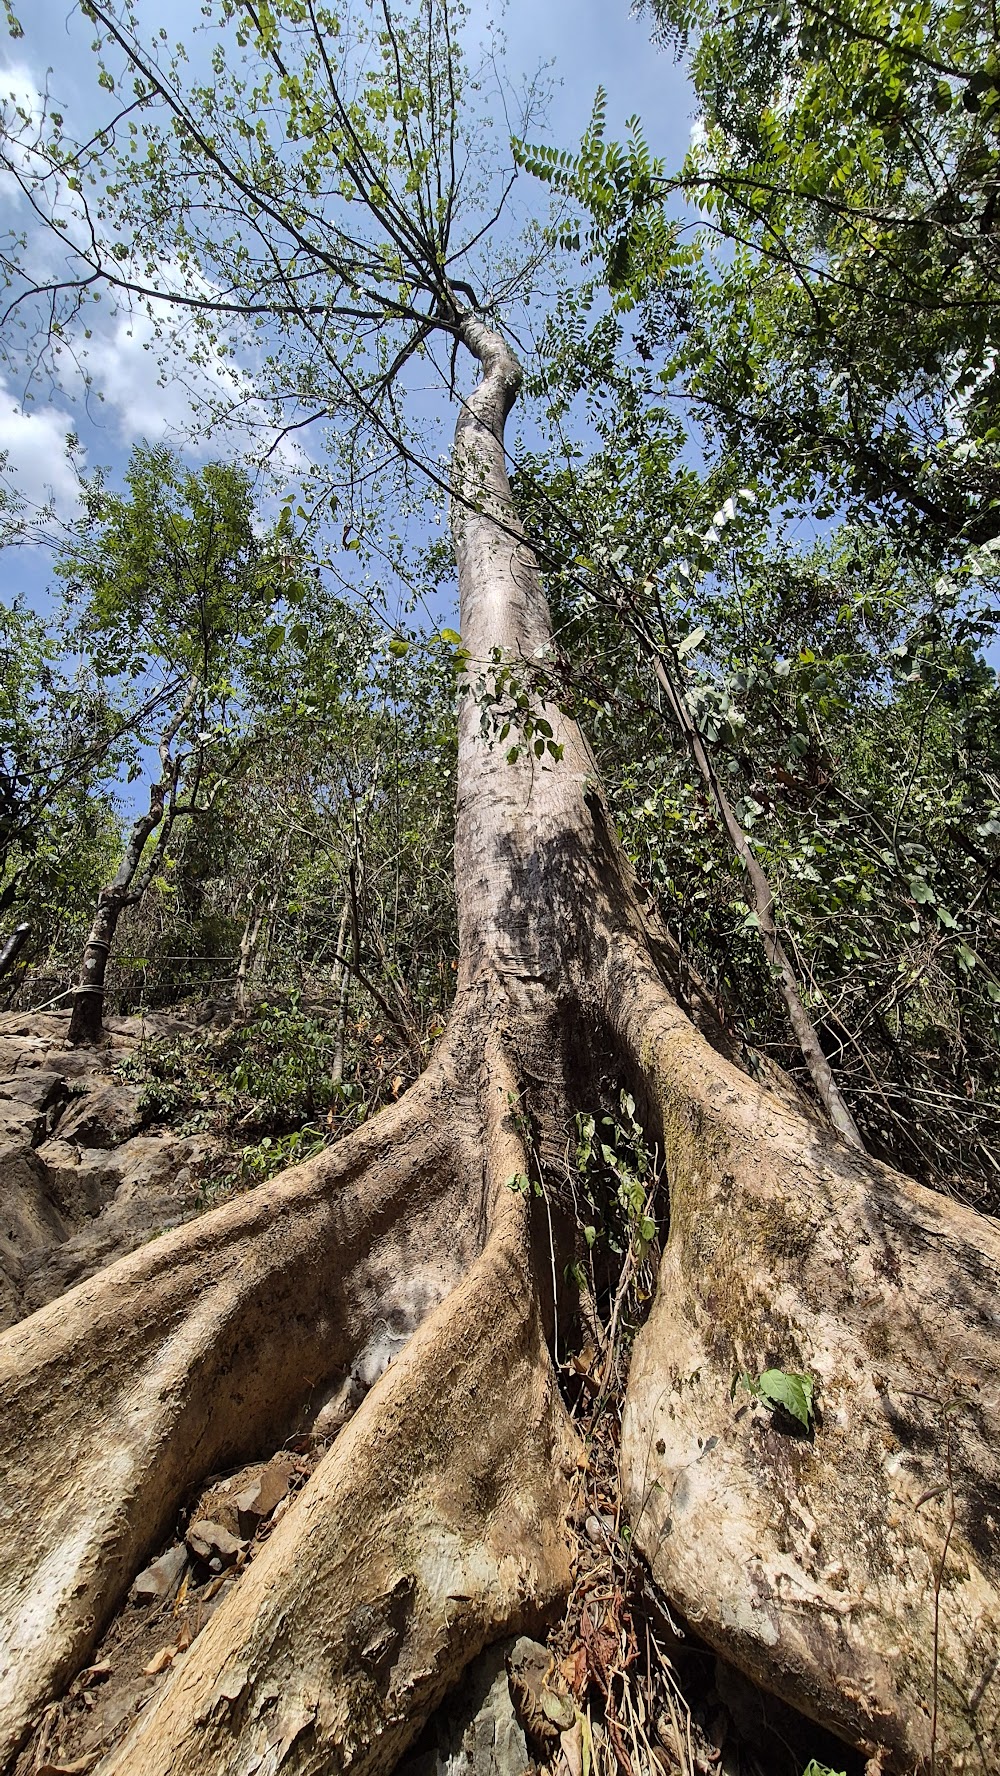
436, 1523
131, 880
826, 1565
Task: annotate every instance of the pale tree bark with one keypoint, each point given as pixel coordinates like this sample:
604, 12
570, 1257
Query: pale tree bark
439, 1520
259, 918
342, 983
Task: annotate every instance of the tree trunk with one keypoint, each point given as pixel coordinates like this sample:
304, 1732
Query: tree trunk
130, 882
12, 947
440, 1518
803, 1029
87, 1018
342, 983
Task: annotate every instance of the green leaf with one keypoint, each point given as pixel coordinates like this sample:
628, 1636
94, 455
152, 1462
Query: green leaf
690, 642
789, 1390
398, 647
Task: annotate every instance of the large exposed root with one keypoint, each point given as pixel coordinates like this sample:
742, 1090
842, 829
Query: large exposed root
435, 1524
203, 1348
855, 1569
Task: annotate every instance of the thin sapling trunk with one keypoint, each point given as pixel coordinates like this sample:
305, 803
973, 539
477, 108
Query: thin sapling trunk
130, 882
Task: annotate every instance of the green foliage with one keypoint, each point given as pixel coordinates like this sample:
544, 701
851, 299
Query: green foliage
59, 738
523, 1185
784, 1391
617, 1177
841, 692
833, 323
815, 1769
274, 1154
172, 574
271, 1074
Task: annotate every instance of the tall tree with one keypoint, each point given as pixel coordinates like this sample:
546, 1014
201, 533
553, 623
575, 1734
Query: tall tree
63, 733
328, 178
172, 578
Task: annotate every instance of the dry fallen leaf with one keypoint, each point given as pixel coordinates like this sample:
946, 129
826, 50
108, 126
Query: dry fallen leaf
571, 1743
573, 1670
159, 1662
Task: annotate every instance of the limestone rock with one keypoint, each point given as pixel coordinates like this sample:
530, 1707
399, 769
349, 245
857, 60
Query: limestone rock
210, 1541
260, 1496
162, 1577
476, 1730
103, 1118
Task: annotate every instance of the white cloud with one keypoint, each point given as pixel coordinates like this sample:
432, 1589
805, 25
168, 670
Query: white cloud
153, 390
143, 381
37, 466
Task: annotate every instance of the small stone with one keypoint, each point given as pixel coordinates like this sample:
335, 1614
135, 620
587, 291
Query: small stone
593, 1528
161, 1579
210, 1541
341, 1406
259, 1499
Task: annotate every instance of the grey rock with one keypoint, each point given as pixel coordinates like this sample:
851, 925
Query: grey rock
211, 1542
259, 1498
161, 1579
34, 1087
104, 1117
476, 1732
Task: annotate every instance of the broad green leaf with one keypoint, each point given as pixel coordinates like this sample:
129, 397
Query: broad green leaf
793, 1392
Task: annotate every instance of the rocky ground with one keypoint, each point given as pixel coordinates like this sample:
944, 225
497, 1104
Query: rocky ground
85, 1175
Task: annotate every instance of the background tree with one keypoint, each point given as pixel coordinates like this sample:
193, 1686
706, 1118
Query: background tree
844, 705
60, 735
170, 578
825, 301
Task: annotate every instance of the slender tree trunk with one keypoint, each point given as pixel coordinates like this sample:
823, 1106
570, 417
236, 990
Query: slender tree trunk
131, 880
86, 1022
845, 1569
343, 985
803, 1028
12, 947
258, 920
87, 1019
